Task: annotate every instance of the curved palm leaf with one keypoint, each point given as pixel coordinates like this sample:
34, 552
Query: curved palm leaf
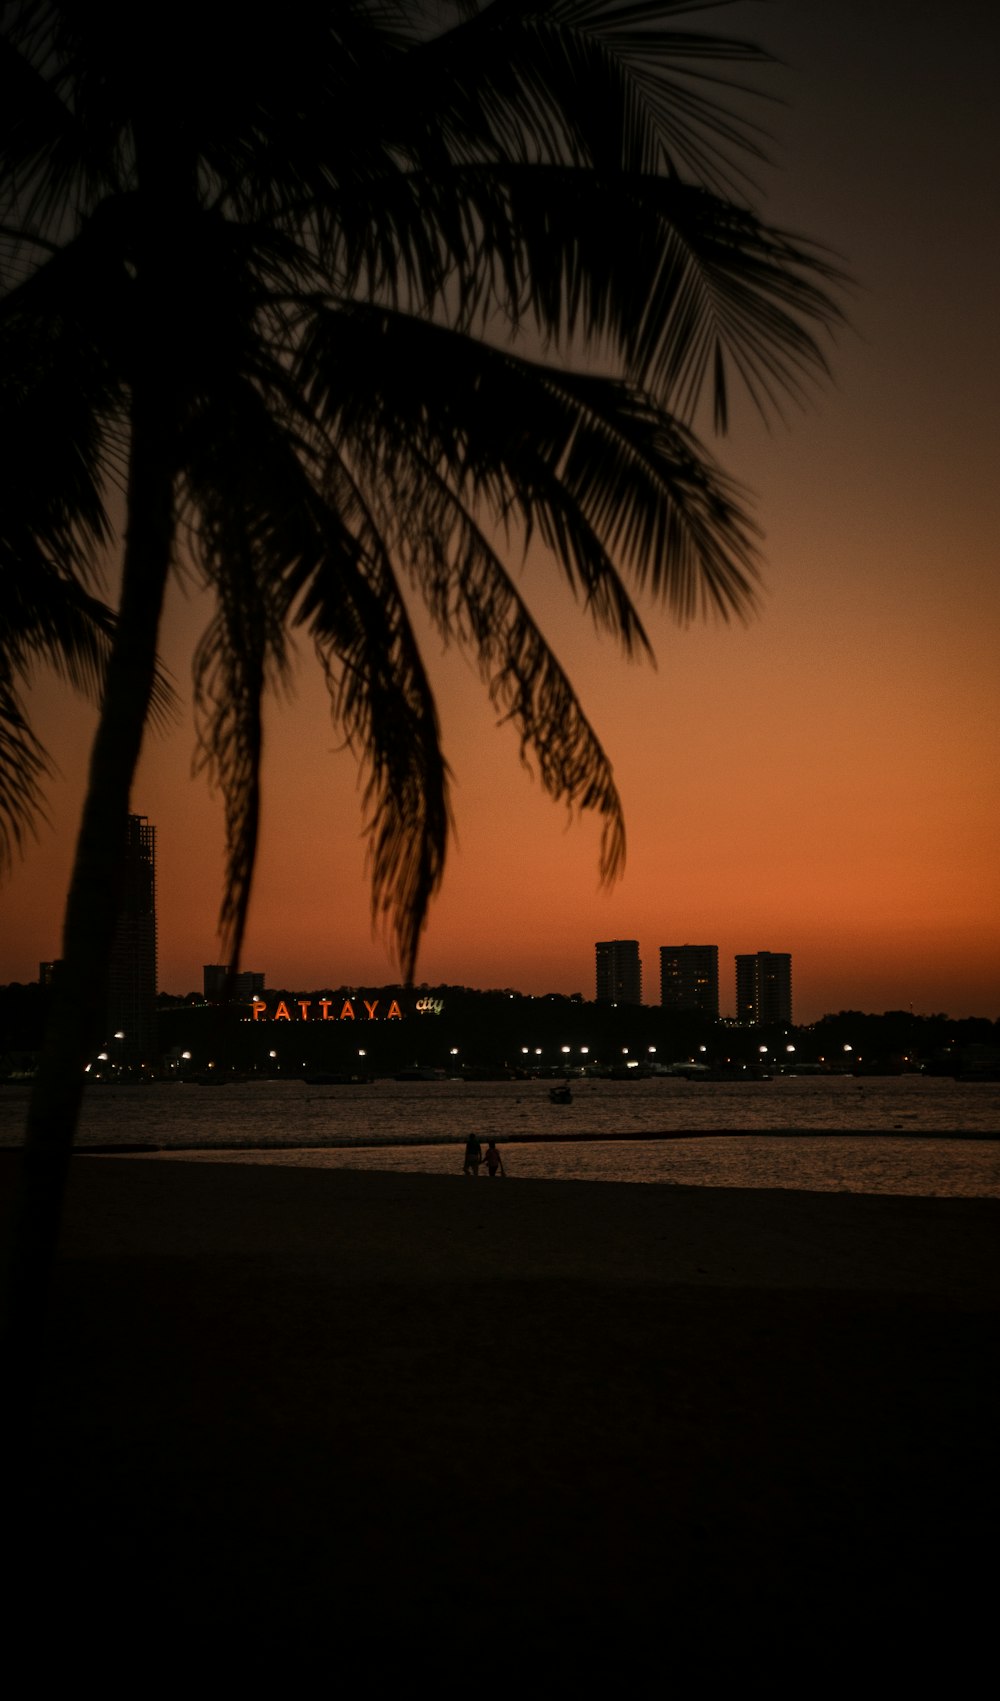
317, 558
45, 618
607, 477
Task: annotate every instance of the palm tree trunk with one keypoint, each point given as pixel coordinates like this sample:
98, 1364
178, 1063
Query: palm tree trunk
80, 991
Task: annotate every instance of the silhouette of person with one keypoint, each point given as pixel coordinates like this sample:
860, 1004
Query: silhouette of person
494, 1162
473, 1155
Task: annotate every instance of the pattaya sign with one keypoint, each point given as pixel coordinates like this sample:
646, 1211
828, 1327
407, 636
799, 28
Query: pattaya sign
350, 1009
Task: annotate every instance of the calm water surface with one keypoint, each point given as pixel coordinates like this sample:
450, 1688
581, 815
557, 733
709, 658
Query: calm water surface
909, 1134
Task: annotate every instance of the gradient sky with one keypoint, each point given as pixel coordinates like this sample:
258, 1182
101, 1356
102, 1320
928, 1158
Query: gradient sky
822, 781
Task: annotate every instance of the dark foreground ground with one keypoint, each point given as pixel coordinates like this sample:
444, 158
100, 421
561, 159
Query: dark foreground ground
562, 1431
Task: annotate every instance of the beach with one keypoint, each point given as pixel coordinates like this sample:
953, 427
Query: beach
411, 1416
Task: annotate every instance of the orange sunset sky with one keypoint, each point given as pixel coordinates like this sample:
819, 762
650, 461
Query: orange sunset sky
823, 780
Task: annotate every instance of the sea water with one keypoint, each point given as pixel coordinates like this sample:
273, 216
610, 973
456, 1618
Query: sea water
907, 1135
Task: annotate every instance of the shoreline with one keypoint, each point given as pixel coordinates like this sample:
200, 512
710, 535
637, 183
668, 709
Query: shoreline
335, 1143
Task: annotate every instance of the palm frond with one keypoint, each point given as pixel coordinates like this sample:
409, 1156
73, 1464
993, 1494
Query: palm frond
281, 544
24, 767
611, 482
228, 482
472, 598
61, 402
604, 83
46, 615
351, 603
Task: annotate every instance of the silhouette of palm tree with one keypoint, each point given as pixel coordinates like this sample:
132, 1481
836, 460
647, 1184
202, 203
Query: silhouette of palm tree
352, 307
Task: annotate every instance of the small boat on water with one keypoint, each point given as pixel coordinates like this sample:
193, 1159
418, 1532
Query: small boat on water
560, 1095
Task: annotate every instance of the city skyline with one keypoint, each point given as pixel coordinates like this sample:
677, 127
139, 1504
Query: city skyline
253, 984
815, 778
721, 990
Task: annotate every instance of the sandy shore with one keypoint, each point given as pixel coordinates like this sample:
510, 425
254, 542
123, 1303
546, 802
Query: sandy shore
412, 1417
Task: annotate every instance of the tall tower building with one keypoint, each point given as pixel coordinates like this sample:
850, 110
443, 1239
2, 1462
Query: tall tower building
764, 988
689, 978
619, 971
132, 989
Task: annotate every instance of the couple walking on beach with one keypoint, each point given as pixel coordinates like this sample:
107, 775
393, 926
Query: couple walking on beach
474, 1157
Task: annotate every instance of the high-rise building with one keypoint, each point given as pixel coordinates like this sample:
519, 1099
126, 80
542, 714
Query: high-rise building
132, 987
764, 987
689, 978
244, 986
619, 971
